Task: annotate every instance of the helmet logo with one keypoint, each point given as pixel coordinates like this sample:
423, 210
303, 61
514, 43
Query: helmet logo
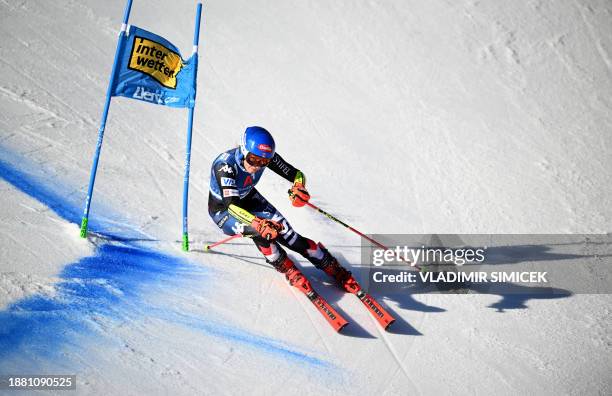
265, 147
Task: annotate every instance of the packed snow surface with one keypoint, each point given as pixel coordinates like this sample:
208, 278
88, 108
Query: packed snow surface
406, 116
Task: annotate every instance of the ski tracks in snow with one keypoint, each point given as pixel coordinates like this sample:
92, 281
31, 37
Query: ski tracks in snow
595, 40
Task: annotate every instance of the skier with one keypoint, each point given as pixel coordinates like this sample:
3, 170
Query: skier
238, 208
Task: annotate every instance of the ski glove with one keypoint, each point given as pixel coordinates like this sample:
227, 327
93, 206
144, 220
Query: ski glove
268, 229
298, 193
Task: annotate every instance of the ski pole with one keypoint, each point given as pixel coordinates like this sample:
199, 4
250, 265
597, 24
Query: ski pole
358, 233
229, 238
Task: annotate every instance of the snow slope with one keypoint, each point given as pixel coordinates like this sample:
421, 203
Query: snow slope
407, 117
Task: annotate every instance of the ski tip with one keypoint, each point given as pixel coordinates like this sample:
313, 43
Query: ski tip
342, 327
389, 324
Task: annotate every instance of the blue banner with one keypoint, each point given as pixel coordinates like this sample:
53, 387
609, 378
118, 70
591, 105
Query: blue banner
151, 69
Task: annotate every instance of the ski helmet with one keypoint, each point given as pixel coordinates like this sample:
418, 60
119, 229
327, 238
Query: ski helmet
258, 141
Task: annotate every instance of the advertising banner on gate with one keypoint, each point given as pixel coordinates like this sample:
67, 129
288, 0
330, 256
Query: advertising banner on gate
151, 69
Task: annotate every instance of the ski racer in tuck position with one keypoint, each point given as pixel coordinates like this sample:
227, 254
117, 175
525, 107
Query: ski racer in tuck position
238, 208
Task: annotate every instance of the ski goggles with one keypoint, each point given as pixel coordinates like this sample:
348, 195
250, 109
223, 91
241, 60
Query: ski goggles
255, 160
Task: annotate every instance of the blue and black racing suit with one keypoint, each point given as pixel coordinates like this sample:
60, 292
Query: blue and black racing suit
231, 184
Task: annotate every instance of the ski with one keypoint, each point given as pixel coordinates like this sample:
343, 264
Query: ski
347, 282
329, 313
383, 317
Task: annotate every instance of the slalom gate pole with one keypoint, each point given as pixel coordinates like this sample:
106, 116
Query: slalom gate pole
94, 167
194, 55
225, 240
331, 217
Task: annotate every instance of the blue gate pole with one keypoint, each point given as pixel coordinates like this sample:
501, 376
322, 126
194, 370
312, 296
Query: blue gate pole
94, 167
196, 39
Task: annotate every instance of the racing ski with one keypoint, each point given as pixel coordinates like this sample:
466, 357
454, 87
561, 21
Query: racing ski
380, 314
300, 282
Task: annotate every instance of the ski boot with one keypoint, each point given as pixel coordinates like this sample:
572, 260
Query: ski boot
294, 276
331, 266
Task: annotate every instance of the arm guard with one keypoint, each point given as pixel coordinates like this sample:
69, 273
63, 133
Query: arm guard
242, 215
281, 167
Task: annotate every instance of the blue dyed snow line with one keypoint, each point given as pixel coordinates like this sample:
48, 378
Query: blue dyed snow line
222, 331
102, 289
31, 181
105, 288
25, 183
